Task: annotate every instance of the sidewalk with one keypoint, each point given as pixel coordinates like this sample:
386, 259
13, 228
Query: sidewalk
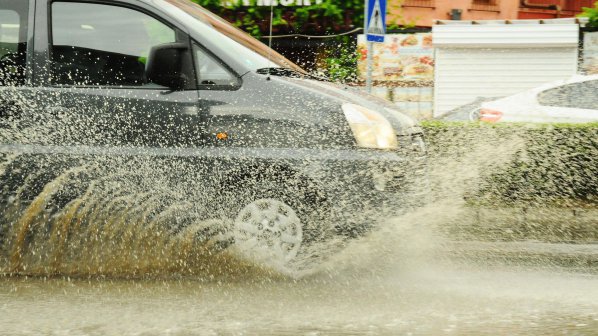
583, 257
549, 225
564, 238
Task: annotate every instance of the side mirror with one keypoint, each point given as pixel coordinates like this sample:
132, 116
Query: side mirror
165, 65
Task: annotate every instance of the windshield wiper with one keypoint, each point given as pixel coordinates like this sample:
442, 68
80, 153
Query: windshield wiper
288, 72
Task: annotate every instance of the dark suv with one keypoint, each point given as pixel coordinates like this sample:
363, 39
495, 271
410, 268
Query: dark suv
158, 109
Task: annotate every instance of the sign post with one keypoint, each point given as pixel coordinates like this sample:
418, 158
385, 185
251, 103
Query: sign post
375, 28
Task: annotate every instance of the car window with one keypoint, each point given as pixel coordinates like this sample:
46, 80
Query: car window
13, 41
96, 44
210, 72
576, 95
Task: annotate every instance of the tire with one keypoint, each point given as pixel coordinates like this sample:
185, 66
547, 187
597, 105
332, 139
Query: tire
280, 223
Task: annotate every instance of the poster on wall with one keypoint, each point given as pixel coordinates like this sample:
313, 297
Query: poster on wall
590, 53
402, 57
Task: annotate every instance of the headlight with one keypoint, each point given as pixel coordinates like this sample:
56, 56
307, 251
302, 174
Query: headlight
370, 128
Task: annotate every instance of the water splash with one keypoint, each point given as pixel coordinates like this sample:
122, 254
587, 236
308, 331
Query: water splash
144, 216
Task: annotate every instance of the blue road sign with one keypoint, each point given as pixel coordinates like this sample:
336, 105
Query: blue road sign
375, 24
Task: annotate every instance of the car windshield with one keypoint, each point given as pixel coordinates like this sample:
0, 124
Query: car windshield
574, 95
257, 55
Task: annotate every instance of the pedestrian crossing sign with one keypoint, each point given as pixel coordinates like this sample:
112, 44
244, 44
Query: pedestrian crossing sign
375, 25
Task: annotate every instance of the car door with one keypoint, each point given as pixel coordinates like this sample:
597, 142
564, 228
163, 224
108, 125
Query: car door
82, 98
89, 125
15, 82
14, 72
97, 84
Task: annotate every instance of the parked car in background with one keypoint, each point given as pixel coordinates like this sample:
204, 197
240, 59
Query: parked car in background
574, 100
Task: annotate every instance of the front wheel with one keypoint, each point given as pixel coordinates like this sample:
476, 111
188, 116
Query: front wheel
269, 228
281, 223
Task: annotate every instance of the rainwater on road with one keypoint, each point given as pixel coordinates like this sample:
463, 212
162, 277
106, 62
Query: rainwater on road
410, 277
401, 281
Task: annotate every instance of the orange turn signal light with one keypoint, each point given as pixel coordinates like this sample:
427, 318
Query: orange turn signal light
222, 136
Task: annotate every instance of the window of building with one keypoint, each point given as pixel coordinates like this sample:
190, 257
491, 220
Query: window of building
485, 5
418, 3
577, 5
13, 41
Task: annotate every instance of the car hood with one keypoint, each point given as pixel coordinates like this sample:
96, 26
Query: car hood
356, 95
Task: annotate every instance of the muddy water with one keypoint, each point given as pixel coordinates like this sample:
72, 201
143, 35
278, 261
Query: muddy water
402, 280
101, 266
429, 301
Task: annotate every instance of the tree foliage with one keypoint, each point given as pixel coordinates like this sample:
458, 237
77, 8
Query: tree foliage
592, 14
330, 16
340, 64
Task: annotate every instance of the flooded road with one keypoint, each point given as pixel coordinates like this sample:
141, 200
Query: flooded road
404, 280
106, 263
433, 301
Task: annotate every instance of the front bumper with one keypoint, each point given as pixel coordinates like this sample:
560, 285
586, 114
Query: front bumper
362, 193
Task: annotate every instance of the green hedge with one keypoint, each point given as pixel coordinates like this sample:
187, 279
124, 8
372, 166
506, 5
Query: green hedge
553, 164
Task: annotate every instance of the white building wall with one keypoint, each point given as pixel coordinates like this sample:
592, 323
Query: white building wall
520, 35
